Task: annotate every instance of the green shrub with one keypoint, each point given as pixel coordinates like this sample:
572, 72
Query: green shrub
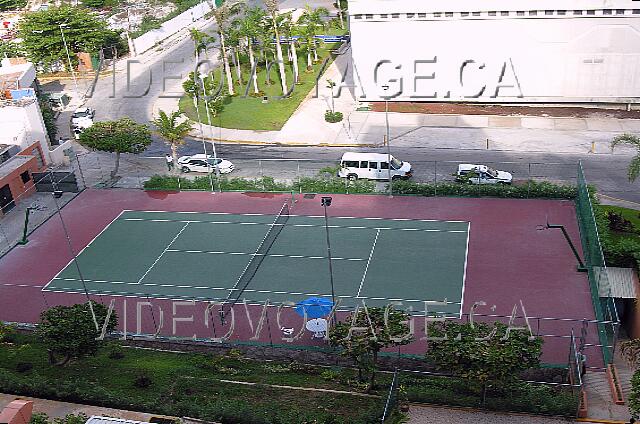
333, 117
142, 381
116, 351
330, 375
39, 418
532, 189
24, 366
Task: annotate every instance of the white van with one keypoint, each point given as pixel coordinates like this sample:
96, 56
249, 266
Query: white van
372, 166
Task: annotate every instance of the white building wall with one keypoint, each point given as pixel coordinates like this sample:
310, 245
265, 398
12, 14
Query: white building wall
497, 51
22, 125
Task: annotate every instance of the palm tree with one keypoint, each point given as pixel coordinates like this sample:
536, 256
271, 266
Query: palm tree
234, 38
265, 36
200, 40
250, 28
313, 20
632, 140
173, 130
272, 11
341, 10
289, 28
222, 14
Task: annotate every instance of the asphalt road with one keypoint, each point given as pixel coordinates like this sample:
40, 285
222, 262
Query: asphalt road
607, 172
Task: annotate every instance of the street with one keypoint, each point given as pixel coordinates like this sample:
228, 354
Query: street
607, 172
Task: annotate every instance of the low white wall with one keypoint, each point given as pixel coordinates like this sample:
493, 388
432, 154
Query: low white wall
57, 155
184, 20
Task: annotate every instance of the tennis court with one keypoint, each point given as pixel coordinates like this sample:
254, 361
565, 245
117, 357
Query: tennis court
282, 258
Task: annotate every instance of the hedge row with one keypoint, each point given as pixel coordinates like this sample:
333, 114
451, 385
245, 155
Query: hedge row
210, 408
305, 185
517, 397
532, 189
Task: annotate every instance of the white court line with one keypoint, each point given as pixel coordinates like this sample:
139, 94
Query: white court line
163, 252
355, 227
464, 275
274, 255
155, 295
83, 249
366, 268
302, 216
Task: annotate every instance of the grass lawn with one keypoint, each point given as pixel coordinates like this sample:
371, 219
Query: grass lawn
250, 113
190, 385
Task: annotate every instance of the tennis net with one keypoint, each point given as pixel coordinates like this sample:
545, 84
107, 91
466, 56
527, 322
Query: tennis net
256, 260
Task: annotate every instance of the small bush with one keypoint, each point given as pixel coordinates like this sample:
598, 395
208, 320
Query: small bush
619, 223
39, 418
116, 351
333, 117
142, 381
330, 375
299, 368
276, 368
24, 366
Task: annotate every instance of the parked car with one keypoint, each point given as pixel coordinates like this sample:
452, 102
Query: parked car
202, 163
83, 113
482, 174
372, 166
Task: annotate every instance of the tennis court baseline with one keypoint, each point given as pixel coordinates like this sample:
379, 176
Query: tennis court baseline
200, 256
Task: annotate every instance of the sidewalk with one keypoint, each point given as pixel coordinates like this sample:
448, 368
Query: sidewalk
359, 129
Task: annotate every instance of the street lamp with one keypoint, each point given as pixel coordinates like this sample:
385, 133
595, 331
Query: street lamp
386, 117
213, 144
66, 48
326, 202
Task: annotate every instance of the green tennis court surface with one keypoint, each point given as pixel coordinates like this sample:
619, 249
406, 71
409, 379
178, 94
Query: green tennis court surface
200, 256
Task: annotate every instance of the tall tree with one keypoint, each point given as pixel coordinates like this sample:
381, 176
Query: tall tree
121, 136
83, 32
632, 140
313, 20
341, 11
272, 12
289, 29
222, 15
380, 329
482, 353
234, 41
173, 128
250, 29
70, 332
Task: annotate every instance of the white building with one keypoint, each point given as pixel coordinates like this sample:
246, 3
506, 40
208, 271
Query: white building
497, 51
20, 115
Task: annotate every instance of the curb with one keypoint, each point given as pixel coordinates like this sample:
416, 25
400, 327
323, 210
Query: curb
599, 421
284, 143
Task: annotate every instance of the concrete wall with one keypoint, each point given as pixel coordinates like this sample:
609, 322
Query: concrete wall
57, 155
183, 20
497, 51
22, 124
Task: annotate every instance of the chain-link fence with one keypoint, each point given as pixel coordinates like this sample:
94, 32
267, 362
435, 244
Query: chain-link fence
134, 171
604, 305
45, 194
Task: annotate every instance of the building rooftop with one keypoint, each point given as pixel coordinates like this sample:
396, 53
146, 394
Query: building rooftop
14, 163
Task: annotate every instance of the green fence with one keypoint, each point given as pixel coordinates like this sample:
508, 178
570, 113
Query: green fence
603, 303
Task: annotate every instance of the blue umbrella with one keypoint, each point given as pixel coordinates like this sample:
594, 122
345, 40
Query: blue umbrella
316, 307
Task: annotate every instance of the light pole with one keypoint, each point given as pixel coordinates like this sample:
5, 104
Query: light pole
66, 48
326, 202
388, 138
213, 143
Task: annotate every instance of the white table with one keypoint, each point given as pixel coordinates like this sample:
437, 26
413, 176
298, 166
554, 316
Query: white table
318, 326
